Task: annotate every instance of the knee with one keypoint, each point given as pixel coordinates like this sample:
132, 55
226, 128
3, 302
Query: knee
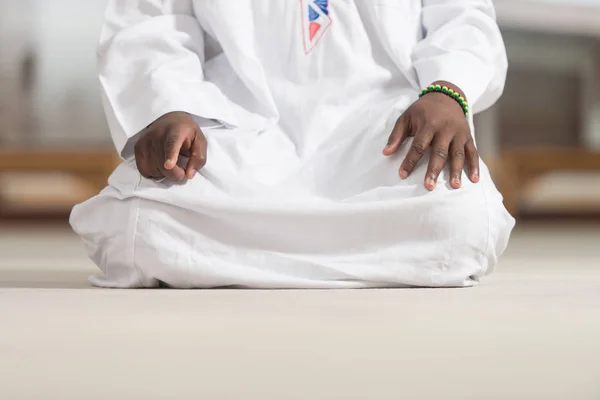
104, 224
478, 228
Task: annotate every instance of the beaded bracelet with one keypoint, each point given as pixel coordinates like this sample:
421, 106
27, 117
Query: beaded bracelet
448, 92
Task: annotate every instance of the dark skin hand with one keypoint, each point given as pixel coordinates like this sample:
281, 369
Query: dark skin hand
163, 141
437, 122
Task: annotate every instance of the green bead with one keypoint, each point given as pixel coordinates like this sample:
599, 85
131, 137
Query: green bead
445, 90
431, 88
456, 95
438, 87
450, 92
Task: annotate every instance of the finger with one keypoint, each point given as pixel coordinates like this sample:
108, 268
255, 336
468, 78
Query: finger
439, 157
143, 152
197, 155
175, 173
173, 141
417, 151
457, 163
398, 135
472, 156
155, 172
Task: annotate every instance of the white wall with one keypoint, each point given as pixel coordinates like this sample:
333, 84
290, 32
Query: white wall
579, 17
63, 35
66, 34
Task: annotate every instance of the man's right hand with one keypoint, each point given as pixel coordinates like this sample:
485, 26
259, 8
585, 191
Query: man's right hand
161, 143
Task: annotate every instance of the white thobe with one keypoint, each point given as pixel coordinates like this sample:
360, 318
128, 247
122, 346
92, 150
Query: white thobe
296, 99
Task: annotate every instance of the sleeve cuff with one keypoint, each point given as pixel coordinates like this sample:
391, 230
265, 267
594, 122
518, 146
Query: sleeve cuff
203, 123
462, 70
128, 114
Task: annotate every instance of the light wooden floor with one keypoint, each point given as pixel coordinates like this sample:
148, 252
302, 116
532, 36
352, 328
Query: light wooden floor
530, 331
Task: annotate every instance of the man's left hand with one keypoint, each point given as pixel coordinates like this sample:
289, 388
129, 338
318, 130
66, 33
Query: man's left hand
438, 122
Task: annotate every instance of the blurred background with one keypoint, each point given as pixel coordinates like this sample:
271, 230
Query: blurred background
541, 141
529, 332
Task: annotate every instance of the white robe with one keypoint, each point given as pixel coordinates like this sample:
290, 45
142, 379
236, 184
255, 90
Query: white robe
297, 99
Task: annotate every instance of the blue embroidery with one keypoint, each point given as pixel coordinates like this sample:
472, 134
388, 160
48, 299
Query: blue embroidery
312, 14
322, 4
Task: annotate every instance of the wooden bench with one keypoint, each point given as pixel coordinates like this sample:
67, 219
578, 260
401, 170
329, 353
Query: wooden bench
515, 169
90, 166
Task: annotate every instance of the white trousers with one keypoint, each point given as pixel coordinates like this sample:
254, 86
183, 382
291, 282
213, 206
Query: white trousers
260, 215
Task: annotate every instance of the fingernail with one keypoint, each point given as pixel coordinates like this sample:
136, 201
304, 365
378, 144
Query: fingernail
193, 174
430, 183
168, 164
403, 174
456, 182
476, 175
